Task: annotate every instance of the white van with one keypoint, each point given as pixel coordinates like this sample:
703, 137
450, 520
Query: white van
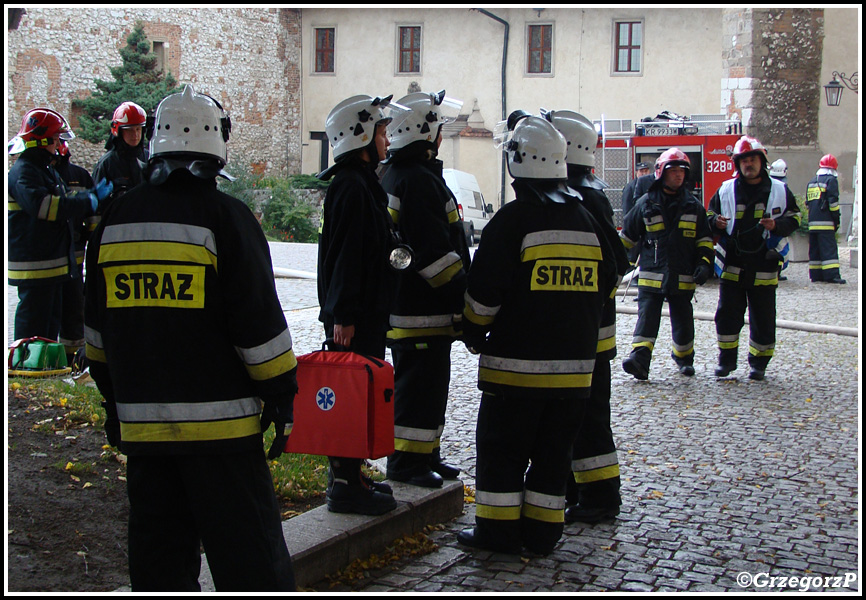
475, 213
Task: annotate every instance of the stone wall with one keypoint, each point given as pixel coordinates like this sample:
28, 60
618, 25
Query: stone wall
247, 58
772, 63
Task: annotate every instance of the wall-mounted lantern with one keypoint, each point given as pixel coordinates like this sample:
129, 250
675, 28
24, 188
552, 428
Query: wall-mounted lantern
834, 89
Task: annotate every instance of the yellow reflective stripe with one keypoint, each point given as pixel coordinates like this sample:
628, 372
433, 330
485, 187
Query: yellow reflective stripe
730, 276
656, 227
453, 216
560, 251
42, 274
497, 513
93, 353
190, 432
653, 283
398, 333
643, 344
683, 353
547, 515
766, 278
156, 251
474, 317
417, 446
14, 206
549, 380
688, 225
395, 215
729, 345
274, 367
447, 275
627, 242
608, 472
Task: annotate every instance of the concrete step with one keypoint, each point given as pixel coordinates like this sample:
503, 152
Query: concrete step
321, 542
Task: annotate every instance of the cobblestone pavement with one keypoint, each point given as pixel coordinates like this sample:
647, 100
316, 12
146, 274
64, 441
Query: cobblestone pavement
726, 484
723, 481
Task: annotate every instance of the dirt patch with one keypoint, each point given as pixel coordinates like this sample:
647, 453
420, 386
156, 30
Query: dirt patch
66, 501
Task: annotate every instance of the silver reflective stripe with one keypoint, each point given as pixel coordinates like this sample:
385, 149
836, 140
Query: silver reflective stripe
450, 206
498, 498
648, 275
544, 500
188, 411
45, 207
393, 202
765, 276
692, 218
607, 332
160, 232
654, 220
482, 310
439, 265
683, 347
267, 351
419, 322
639, 339
93, 337
594, 462
37, 265
559, 237
761, 347
415, 434
732, 337
687, 278
518, 365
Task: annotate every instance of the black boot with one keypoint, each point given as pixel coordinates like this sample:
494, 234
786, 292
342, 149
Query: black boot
359, 499
444, 470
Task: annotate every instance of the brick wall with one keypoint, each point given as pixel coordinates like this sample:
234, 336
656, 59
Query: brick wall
54, 55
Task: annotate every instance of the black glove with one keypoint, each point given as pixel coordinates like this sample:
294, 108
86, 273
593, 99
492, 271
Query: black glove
702, 274
281, 414
112, 425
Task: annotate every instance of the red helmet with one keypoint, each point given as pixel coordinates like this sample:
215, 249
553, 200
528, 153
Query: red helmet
62, 148
40, 125
673, 157
128, 114
748, 145
828, 161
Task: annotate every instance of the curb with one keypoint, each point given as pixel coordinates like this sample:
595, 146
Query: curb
321, 542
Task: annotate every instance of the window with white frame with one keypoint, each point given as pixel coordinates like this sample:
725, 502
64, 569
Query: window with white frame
628, 47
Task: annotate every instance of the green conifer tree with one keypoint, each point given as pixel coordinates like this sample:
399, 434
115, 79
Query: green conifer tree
136, 80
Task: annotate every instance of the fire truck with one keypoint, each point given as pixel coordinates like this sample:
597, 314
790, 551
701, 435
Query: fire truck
707, 140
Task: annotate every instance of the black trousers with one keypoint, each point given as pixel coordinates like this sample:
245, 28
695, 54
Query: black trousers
72, 316
730, 318
646, 331
515, 505
39, 311
823, 256
595, 479
224, 502
421, 380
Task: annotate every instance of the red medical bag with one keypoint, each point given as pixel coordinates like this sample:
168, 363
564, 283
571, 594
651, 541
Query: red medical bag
344, 406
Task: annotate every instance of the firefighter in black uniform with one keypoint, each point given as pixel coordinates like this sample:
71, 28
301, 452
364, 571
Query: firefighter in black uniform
428, 307
77, 179
41, 211
637, 187
822, 200
593, 491
355, 284
126, 158
670, 227
745, 212
536, 292
188, 344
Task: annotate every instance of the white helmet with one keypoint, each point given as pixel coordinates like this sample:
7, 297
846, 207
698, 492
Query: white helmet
779, 168
428, 112
351, 124
580, 135
536, 150
190, 123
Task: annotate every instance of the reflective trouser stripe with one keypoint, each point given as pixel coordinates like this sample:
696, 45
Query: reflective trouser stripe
413, 439
729, 342
643, 342
499, 506
595, 468
756, 349
190, 432
543, 507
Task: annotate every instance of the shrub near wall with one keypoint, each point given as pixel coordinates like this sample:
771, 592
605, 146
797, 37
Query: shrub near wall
289, 209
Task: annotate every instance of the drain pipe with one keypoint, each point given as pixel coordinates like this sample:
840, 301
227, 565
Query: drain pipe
504, 116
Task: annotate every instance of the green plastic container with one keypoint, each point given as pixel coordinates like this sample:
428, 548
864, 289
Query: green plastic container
39, 356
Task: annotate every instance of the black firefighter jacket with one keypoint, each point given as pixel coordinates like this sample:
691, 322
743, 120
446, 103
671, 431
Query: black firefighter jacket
429, 301
355, 283
595, 201
40, 214
184, 332
539, 281
674, 240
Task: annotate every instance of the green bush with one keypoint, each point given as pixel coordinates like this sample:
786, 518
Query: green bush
804, 214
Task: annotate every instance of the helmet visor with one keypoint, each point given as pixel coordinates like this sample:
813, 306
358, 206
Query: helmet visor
501, 134
449, 109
